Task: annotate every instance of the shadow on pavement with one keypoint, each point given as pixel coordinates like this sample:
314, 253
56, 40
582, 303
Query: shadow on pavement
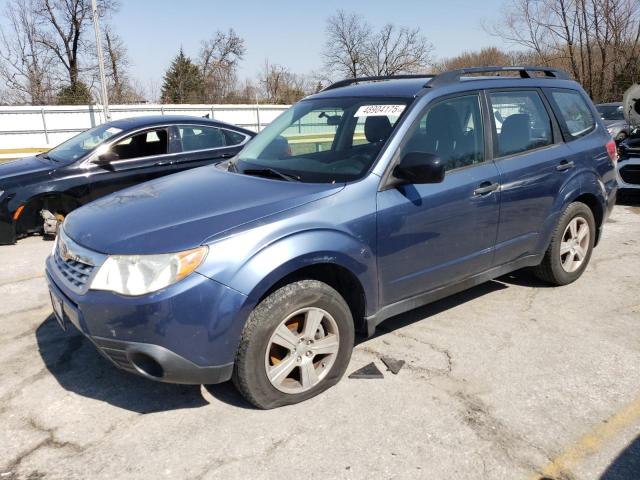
78, 367
626, 466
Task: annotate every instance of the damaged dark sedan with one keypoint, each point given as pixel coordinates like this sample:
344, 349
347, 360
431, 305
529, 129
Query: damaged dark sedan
36, 193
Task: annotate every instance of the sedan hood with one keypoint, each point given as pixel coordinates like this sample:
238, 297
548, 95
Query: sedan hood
24, 166
181, 211
615, 123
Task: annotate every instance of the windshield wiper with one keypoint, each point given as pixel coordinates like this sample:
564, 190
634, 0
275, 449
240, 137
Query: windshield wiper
273, 173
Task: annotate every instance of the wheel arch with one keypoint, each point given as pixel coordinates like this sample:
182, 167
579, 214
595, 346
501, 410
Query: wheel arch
29, 220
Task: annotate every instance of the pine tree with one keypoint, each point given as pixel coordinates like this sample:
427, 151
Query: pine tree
182, 81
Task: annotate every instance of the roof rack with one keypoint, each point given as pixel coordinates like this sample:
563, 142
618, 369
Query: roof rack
350, 81
455, 75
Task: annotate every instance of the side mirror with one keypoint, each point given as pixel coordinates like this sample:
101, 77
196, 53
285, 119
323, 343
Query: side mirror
420, 167
104, 160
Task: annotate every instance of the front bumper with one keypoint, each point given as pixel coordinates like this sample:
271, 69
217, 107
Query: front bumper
628, 173
185, 333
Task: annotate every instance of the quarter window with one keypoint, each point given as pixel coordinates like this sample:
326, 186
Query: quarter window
521, 122
144, 144
200, 138
576, 118
451, 129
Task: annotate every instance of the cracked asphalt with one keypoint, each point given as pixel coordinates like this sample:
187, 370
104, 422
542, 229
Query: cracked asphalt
509, 380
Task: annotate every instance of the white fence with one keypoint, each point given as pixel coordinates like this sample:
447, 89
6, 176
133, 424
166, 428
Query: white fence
45, 127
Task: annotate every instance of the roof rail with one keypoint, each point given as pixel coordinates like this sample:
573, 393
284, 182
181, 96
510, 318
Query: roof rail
455, 75
350, 81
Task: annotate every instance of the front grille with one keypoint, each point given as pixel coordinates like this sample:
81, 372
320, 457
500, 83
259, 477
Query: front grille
630, 174
77, 274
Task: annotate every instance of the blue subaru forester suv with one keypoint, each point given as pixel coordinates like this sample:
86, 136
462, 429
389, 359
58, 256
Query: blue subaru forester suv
368, 199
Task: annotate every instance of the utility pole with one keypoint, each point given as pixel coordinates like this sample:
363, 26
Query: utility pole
103, 81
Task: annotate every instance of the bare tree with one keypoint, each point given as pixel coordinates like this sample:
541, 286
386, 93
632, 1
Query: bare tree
25, 66
597, 41
353, 48
489, 56
348, 38
61, 29
395, 50
218, 61
121, 90
282, 86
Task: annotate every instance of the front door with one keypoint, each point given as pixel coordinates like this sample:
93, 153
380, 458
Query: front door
437, 234
140, 157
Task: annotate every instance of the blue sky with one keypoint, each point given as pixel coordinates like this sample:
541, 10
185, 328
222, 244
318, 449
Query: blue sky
285, 31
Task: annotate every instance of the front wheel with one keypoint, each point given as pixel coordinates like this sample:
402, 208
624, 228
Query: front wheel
571, 246
296, 344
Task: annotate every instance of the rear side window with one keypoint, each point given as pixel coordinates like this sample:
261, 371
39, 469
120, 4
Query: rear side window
200, 138
574, 114
233, 138
521, 122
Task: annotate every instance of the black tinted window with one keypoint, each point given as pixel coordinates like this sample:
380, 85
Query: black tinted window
451, 129
201, 138
142, 145
521, 122
233, 138
575, 115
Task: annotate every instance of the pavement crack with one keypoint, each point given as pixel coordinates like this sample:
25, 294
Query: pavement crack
50, 441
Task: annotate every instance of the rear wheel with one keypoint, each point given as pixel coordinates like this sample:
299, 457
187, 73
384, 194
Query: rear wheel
571, 246
296, 344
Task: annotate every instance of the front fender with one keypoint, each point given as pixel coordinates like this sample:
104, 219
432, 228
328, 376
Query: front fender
255, 274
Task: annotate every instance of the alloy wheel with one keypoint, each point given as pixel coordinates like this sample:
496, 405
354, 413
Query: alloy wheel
302, 350
575, 244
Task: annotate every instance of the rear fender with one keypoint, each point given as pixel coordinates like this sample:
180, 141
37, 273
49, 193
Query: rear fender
580, 184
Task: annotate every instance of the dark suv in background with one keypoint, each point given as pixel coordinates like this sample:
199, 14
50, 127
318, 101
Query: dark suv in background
366, 200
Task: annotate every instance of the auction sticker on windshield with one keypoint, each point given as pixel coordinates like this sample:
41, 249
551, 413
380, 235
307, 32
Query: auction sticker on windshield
379, 110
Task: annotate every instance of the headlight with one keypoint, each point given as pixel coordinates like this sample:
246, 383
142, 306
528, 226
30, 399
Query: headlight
1, 193
140, 274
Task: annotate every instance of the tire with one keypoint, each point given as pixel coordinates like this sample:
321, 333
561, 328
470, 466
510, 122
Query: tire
288, 311
559, 268
621, 137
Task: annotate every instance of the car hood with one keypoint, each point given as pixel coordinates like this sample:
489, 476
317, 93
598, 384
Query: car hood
181, 211
24, 166
615, 123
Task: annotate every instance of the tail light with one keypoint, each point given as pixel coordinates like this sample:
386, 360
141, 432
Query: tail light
612, 150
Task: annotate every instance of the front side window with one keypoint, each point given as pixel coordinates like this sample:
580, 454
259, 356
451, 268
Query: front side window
451, 129
324, 140
521, 122
144, 144
576, 119
195, 137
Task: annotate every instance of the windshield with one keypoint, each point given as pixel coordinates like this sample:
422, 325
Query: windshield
324, 140
80, 145
611, 112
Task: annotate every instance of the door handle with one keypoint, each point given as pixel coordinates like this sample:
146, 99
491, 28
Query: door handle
485, 188
565, 165
164, 164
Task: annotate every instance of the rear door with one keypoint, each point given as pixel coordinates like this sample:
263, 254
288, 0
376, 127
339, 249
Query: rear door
142, 156
204, 144
533, 163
